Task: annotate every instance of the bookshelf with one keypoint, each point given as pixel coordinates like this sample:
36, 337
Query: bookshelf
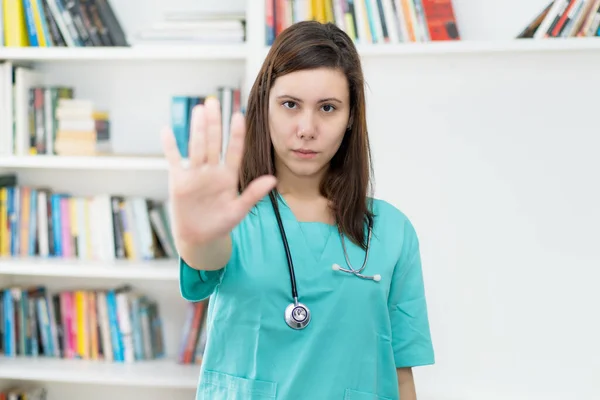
140, 53
158, 270
144, 374
241, 53
77, 163
474, 47
197, 68
135, 85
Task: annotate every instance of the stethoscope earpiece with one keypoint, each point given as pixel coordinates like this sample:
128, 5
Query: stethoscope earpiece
376, 277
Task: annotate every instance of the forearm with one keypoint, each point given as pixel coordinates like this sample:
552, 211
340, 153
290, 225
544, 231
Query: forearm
406, 384
208, 257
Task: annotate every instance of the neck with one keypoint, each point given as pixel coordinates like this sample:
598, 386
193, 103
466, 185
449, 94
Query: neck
299, 187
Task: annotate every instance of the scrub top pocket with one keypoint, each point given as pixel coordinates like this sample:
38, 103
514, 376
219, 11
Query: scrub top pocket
356, 395
218, 385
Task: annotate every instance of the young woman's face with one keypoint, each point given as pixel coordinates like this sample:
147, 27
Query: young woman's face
308, 115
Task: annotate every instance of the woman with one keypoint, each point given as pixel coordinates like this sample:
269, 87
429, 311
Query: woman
298, 168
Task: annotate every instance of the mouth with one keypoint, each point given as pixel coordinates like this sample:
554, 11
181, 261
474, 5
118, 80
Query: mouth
304, 153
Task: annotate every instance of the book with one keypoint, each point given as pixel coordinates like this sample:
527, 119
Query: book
564, 19
60, 23
369, 21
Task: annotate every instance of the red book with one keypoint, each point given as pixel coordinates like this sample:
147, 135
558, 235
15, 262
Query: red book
441, 21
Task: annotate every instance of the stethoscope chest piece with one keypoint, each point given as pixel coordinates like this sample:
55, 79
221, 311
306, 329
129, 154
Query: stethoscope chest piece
297, 315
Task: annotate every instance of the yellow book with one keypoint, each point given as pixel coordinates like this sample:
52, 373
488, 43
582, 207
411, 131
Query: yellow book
329, 15
349, 19
37, 22
81, 312
127, 234
15, 28
319, 10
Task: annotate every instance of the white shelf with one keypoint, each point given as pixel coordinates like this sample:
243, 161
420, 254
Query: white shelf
162, 269
477, 47
153, 373
482, 47
124, 163
135, 53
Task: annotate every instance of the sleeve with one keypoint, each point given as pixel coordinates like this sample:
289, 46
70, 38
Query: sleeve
196, 285
411, 337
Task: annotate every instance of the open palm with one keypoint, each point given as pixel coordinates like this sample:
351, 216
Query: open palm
203, 190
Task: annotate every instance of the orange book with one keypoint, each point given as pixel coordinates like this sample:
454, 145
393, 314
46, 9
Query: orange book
410, 26
93, 326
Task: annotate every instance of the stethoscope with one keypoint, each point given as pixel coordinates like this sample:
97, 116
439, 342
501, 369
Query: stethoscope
297, 315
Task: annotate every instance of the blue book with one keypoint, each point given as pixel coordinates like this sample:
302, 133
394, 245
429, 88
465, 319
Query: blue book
180, 123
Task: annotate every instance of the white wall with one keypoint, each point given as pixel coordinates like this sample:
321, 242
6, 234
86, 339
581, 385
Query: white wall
497, 167
494, 158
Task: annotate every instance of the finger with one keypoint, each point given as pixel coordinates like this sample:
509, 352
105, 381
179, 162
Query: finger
197, 151
170, 149
235, 148
256, 190
213, 130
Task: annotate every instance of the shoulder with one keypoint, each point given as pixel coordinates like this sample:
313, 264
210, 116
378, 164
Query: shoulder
388, 216
393, 226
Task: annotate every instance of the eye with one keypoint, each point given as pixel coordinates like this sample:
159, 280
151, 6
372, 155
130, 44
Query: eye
289, 104
328, 108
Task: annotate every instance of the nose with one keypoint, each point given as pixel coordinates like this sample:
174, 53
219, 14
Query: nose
306, 127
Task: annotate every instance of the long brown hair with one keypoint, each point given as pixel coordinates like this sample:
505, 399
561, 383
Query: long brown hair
309, 45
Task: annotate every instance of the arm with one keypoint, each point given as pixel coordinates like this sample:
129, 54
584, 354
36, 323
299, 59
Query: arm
201, 267
406, 384
411, 339
210, 256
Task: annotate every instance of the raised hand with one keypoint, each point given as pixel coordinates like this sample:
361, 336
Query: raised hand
204, 194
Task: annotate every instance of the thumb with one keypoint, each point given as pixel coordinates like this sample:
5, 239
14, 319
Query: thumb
256, 190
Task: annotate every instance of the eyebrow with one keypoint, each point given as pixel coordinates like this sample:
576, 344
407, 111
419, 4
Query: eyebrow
328, 99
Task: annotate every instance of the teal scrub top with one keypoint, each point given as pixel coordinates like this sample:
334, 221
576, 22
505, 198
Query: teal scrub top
360, 330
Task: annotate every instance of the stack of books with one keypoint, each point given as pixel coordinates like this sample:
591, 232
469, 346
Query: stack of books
82, 130
189, 28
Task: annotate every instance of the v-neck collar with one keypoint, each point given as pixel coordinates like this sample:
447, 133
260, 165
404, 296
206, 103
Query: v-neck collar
293, 227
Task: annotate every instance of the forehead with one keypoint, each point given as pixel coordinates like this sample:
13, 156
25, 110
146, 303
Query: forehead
312, 84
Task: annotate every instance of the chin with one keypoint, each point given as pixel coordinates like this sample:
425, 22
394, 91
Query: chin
305, 169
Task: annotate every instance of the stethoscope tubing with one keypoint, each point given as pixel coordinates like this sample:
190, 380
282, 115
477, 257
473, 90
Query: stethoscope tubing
288, 253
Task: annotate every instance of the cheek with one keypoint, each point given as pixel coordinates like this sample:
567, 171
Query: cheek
281, 129
335, 137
